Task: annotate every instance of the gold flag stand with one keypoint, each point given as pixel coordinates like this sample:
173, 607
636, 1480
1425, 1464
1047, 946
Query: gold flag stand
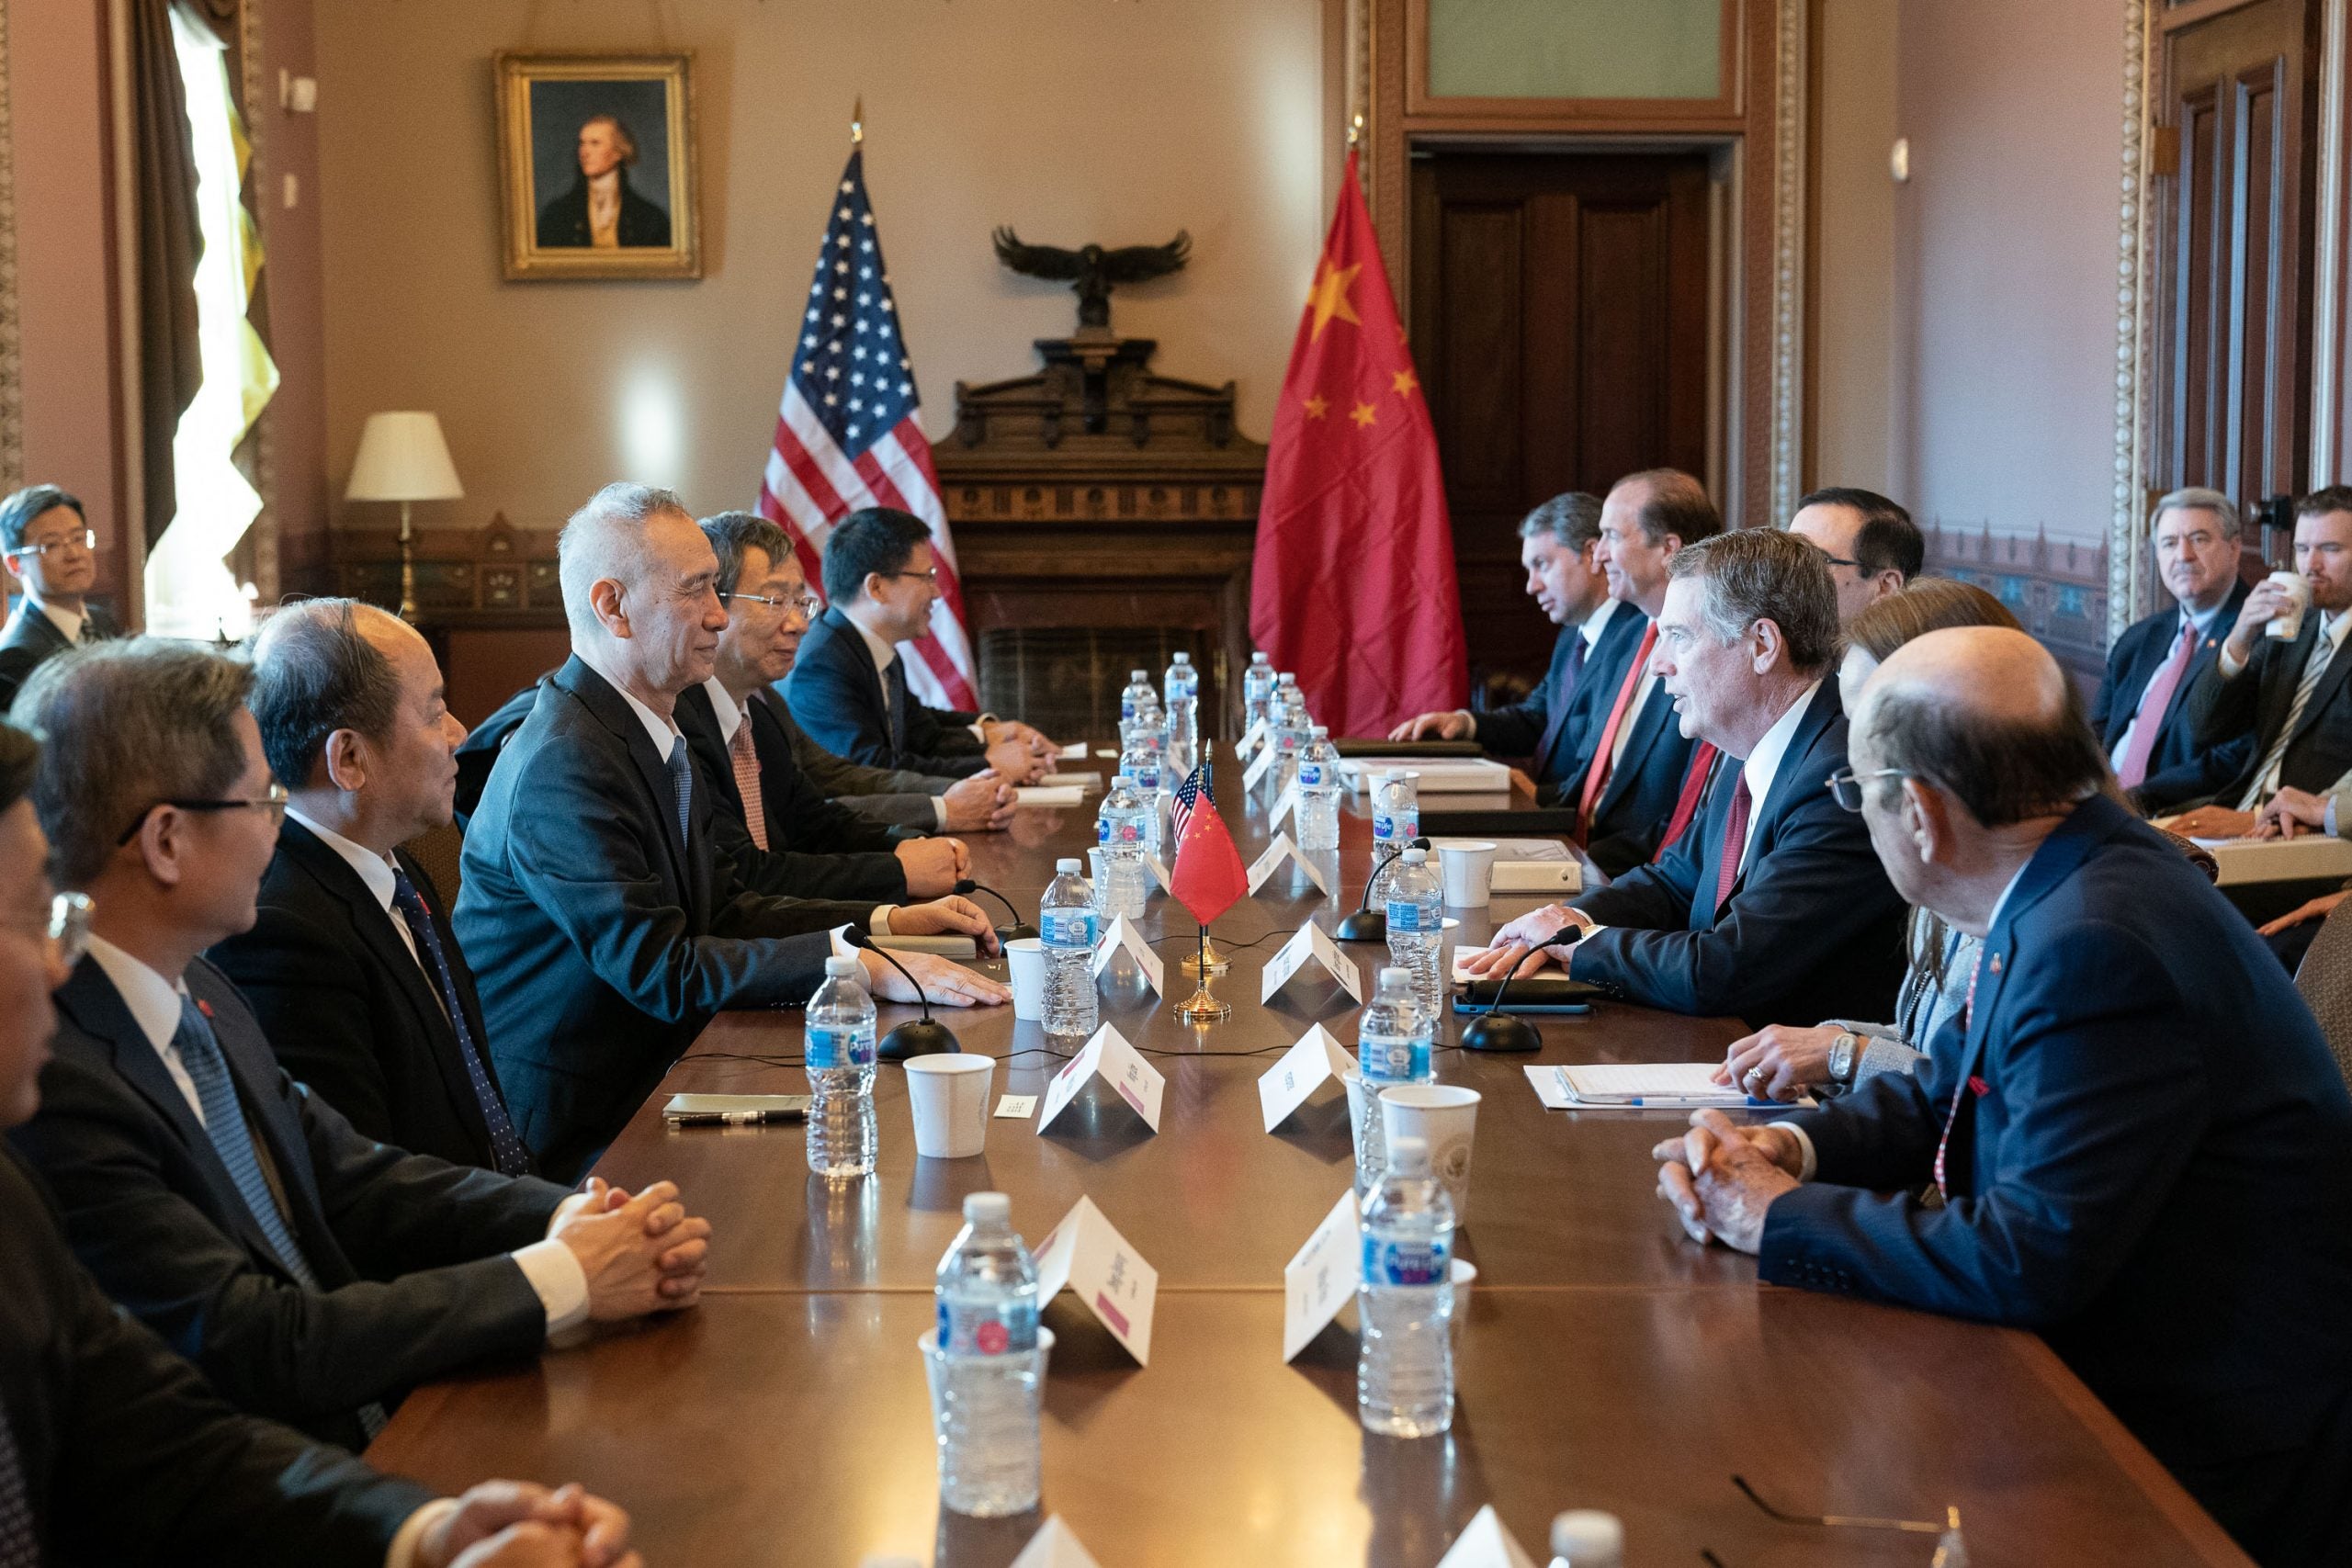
1201, 1007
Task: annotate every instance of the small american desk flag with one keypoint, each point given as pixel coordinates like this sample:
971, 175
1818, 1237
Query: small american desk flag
850, 435
1208, 876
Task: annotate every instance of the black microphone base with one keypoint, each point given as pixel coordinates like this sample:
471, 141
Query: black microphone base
1020, 931
1364, 925
920, 1038
1500, 1032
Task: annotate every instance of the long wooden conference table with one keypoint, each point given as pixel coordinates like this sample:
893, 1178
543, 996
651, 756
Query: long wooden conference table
1606, 1361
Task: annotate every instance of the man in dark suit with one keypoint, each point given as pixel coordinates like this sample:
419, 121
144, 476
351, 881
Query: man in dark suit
1637, 780
2291, 692
849, 688
2143, 714
48, 548
604, 926
113, 1449
1772, 906
352, 968
1559, 544
312, 1273
787, 838
2135, 1127
1874, 547
601, 210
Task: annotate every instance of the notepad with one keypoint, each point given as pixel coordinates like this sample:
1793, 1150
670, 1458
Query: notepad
1647, 1083
1055, 795
1074, 750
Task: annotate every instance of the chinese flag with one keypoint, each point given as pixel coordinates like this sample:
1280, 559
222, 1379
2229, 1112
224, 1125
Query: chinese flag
1352, 587
1208, 876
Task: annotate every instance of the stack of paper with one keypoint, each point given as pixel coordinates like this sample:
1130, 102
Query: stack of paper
1642, 1085
1439, 775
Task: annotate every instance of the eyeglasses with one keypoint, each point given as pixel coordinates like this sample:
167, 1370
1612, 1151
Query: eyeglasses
274, 804
87, 540
69, 927
930, 577
1845, 785
807, 603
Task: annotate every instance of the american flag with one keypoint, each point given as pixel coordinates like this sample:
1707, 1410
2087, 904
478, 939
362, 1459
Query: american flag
849, 434
1188, 795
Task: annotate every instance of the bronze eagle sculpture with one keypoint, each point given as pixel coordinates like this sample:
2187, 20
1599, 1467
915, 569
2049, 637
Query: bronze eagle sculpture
1091, 270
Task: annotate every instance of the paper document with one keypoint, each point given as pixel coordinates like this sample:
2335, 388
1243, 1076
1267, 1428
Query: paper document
1647, 1083
1073, 751
1041, 795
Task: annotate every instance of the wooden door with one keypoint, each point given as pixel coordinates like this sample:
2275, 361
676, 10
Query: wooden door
2233, 248
1559, 319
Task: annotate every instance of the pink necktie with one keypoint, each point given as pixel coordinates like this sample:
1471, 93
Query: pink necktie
1735, 840
2132, 772
746, 760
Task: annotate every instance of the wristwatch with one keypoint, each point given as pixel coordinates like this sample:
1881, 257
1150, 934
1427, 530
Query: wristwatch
1845, 1052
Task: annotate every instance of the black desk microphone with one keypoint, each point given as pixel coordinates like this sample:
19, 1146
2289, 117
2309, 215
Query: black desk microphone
919, 1037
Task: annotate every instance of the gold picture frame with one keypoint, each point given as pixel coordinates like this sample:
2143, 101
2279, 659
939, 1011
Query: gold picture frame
597, 168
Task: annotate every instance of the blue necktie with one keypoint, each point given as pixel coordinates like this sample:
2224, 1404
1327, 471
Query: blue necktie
17, 1547
512, 1157
225, 1123
682, 783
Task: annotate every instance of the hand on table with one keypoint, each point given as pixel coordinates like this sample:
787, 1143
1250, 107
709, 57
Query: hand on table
932, 866
981, 803
946, 984
1454, 725
2288, 812
1778, 1062
518, 1524
1521, 947
1015, 761
945, 917
642, 1255
1721, 1178
2317, 909
2212, 822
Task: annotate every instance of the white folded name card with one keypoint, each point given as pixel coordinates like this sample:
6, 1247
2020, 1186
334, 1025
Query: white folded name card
1158, 868
1310, 942
1108, 1056
1258, 766
1285, 804
1055, 1546
1316, 1060
1086, 1253
1271, 858
1252, 740
1486, 1544
1123, 933
1321, 1276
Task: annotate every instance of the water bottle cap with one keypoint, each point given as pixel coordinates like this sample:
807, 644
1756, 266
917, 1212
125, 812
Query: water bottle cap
843, 966
1587, 1535
1286, 679
1395, 975
1319, 731
1140, 675
1183, 659
1417, 857
1409, 1157
1258, 659
1069, 867
986, 1207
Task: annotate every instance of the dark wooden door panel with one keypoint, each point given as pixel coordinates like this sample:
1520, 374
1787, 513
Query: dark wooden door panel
1560, 319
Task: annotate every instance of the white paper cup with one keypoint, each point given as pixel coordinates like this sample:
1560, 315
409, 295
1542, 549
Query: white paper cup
949, 1094
2288, 624
935, 1369
1469, 868
1465, 1274
1025, 957
1445, 1117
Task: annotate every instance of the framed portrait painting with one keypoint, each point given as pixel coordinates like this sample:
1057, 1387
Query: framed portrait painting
596, 165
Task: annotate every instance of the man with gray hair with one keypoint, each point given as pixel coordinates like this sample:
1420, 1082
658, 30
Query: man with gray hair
2142, 715
1559, 545
604, 926
1772, 907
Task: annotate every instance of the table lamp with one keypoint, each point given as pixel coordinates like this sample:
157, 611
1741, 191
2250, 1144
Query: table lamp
403, 457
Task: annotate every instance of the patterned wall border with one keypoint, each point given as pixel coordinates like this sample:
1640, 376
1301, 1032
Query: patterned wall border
2060, 589
2127, 579
1784, 474
12, 369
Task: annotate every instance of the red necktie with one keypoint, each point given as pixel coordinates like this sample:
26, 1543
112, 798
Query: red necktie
1694, 790
746, 761
2132, 772
1735, 840
1596, 777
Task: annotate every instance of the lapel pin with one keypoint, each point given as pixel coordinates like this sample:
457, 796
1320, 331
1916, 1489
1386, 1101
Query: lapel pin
1996, 963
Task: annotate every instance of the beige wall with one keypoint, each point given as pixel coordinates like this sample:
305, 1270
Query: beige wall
1072, 119
1853, 241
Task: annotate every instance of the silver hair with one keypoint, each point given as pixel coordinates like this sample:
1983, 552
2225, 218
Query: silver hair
2196, 498
605, 538
1571, 519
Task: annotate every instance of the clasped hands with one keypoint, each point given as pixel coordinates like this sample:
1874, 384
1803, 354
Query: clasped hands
514, 1524
640, 1253
1017, 752
1722, 1177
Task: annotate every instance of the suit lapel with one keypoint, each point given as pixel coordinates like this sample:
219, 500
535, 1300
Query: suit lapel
1788, 780
1649, 723
613, 711
30, 627
2281, 675
2330, 685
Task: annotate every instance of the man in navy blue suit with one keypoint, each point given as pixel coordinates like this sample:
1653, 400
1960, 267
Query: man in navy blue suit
2135, 1128
1772, 906
2143, 716
1559, 545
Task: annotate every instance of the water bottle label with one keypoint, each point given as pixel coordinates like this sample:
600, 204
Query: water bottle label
1069, 928
1395, 826
1384, 826
1404, 915
1147, 777
828, 1048
1428, 1262
1129, 831
984, 1331
1310, 776
1393, 1058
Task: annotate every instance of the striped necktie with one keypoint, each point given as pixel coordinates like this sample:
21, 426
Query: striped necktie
2266, 777
682, 784
18, 1548
743, 754
505, 1147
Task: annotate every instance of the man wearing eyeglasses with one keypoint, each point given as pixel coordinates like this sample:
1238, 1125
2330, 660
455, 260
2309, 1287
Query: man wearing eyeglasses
52, 556
1772, 907
313, 1274
1873, 545
848, 687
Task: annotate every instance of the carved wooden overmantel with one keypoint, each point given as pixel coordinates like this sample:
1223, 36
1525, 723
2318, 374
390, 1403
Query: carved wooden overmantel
1096, 495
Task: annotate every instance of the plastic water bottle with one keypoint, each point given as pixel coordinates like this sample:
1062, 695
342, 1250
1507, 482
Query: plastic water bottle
1395, 813
1140, 766
987, 1289
1587, 1537
1180, 691
1319, 792
1138, 697
839, 1056
1257, 688
1405, 1304
1120, 829
1417, 927
1393, 1040
1066, 922
1290, 725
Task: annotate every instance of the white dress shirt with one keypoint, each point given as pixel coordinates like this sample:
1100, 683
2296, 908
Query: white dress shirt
1763, 764
374, 870
2203, 621
153, 1002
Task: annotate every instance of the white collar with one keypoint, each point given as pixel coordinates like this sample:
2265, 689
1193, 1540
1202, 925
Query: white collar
885, 652
1763, 763
70, 622
375, 870
730, 716
1597, 623
2331, 628
661, 731
153, 1001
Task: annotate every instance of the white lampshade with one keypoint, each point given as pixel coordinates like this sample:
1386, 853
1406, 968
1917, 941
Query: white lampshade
403, 457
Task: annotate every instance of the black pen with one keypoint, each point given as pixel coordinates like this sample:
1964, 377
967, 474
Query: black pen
731, 1117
